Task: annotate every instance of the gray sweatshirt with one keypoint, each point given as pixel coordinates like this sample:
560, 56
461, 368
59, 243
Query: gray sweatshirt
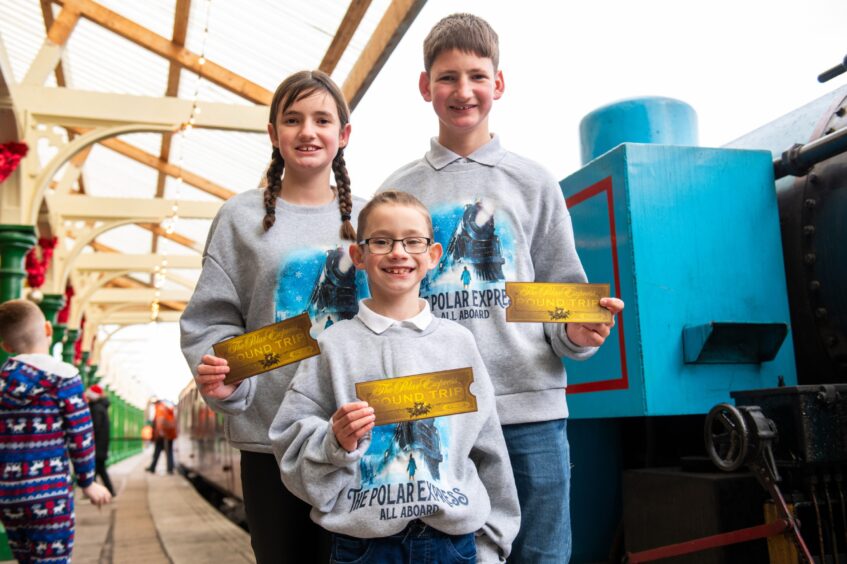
500, 217
452, 472
252, 278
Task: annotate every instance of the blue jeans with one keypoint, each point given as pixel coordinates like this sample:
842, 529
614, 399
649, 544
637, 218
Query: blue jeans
541, 463
417, 543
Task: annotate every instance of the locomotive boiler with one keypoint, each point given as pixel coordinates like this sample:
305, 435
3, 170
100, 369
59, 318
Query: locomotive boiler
732, 264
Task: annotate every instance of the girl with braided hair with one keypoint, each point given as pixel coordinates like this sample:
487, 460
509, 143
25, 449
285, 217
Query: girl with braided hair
272, 254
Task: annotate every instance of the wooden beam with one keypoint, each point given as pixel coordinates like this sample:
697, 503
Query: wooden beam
164, 167
62, 27
346, 30
49, 56
163, 47
195, 180
72, 174
162, 177
181, 16
79, 159
180, 30
184, 282
391, 28
99, 247
47, 13
130, 282
175, 237
164, 157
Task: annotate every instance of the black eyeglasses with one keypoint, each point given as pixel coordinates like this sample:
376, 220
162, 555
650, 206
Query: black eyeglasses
384, 245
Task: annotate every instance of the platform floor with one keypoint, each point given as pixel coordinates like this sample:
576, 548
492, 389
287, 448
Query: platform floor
155, 519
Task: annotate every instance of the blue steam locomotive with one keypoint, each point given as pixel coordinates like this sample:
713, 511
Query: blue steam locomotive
732, 264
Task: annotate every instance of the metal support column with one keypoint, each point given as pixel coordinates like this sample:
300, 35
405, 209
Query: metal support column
15, 243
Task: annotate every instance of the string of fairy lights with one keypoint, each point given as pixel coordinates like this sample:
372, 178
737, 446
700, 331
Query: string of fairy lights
160, 271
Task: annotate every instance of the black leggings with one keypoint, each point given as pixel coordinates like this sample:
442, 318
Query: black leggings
168, 446
100, 470
280, 527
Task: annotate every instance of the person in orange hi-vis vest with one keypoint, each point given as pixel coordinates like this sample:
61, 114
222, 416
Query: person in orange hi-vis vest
164, 433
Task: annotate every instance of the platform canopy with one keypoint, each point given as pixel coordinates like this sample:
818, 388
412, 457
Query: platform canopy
112, 85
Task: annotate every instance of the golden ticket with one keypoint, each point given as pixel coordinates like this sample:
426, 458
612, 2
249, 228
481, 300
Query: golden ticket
421, 396
267, 348
557, 302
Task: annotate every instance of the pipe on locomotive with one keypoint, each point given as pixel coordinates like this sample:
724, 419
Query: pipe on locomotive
799, 159
838, 69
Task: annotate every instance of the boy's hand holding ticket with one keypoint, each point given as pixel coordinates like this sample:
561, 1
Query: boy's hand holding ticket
420, 396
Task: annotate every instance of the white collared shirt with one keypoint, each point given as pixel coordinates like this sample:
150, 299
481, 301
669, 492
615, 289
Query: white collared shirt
379, 323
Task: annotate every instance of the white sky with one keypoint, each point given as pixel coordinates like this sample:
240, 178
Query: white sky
739, 63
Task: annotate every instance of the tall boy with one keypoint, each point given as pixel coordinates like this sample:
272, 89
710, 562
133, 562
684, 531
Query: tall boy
432, 490
504, 218
43, 416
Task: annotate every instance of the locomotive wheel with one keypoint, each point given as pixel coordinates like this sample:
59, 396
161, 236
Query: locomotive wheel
726, 436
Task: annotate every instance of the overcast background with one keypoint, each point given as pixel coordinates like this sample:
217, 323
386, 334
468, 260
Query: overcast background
739, 63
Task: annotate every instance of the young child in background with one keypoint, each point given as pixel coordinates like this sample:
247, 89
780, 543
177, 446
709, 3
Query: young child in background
98, 404
273, 254
434, 490
503, 217
43, 420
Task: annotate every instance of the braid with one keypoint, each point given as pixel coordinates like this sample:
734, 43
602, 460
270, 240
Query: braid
273, 188
345, 198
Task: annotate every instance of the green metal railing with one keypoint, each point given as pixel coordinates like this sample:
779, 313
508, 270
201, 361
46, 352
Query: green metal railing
125, 423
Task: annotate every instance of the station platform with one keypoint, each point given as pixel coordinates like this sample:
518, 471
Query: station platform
155, 519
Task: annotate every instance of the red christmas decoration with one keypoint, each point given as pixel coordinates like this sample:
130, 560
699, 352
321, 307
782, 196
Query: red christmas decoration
10, 157
64, 313
78, 344
36, 268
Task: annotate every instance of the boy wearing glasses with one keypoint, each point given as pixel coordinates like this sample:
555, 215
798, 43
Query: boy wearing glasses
437, 489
